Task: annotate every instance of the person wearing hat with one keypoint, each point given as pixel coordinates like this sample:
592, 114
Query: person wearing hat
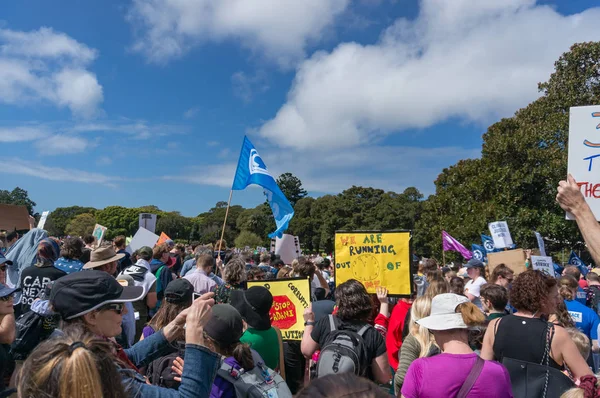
179, 295
476, 271
254, 306
160, 268
93, 300
104, 259
7, 328
142, 276
451, 317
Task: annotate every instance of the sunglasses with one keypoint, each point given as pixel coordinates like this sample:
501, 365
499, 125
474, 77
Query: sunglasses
117, 307
6, 298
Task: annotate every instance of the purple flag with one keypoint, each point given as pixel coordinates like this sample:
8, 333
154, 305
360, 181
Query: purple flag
451, 244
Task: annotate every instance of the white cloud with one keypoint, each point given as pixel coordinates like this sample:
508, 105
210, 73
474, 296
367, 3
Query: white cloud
387, 167
104, 161
468, 59
62, 144
49, 67
22, 167
191, 113
281, 29
22, 133
246, 86
137, 129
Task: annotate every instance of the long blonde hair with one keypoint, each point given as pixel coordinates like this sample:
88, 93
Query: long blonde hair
420, 309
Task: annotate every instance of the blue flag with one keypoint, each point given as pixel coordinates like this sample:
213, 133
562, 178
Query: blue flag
488, 244
252, 170
577, 262
479, 252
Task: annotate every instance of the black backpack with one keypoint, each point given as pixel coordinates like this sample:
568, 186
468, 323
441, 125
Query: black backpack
593, 297
344, 351
30, 330
159, 371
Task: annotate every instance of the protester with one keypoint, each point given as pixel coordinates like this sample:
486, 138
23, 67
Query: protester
120, 243
342, 385
70, 252
234, 276
354, 308
592, 299
35, 278
451, 316
89, 242
199, 277
420, 279
179, 295
502, 276
285, 272
4, 262
265, 265
160, 269
143, 277
254, 306
76, 364
494, 299
7, 329
582, 342
586, 319
304, 268
23, 254
418, 344
94, 300
127, 337
523, 335
255, 274
393, 338
437, 285
382, 318
457, 286
476, 271
575, 273
11, 239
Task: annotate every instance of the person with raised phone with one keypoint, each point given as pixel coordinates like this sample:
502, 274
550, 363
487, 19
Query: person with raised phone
95, 301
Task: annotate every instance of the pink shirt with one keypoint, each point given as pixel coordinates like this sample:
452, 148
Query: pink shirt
444, 375
201, 282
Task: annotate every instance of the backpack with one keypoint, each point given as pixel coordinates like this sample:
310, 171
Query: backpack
259, 382
159, 371
592, 297
344, 351
31, 329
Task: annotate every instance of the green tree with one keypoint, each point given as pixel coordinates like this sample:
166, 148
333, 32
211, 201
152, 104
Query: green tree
291, 186
247, 238
174, 224
212, 222
80, 225
522, 160
58, 219
119, 220
18, 196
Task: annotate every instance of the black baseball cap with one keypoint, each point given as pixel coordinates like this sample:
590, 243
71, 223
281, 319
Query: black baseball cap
81, 292
254, 305
225, 325
179, 291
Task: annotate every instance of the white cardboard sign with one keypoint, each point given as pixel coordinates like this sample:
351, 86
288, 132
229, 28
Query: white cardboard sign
500, 234
543, 263
148, 221
142, 237
43, 219
288, 248
584, 153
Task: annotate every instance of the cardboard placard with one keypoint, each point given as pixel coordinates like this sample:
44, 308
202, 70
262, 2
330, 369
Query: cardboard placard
584, 154
500, 234
288, 248
513, 259
162, 239
13, 217
142, 237
98, 233
375, 259
290, 298
543, 263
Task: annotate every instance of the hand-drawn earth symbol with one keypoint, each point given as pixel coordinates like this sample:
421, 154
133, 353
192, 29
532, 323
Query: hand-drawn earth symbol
366, 267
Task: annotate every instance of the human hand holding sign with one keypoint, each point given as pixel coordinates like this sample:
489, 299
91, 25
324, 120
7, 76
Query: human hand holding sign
569, 196
309, 315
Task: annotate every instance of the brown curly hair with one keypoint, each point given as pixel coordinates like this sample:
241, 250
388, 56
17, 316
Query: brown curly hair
530, 290
353, 302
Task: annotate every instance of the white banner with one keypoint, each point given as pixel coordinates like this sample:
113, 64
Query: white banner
584, 153
43, 219
500, 234
543, 263
288, 248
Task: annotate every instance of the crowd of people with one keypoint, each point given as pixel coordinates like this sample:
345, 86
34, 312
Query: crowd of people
78, 319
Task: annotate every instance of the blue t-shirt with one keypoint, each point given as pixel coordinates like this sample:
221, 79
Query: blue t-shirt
581, 296
586, 319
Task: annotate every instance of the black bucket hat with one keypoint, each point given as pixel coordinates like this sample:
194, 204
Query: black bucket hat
254, 305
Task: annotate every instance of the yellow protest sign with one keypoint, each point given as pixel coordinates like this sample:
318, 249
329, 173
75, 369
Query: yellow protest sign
290, 298
375, 259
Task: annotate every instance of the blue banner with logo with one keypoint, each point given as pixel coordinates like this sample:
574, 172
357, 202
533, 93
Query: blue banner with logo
479, 252
577, 262
252, 170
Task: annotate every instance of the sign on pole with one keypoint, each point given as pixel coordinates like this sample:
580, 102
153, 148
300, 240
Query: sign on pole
543, 263
290, 298
375, 259
148, 221
500, 234
584, 153
98, 233
43, 219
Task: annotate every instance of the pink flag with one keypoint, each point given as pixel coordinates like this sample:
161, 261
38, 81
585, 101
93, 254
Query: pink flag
451, 244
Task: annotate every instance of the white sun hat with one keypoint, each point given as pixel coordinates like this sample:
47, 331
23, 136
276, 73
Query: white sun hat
443, 313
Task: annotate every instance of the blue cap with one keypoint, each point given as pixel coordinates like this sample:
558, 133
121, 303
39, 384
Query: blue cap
473, 263
6, 291
4, 260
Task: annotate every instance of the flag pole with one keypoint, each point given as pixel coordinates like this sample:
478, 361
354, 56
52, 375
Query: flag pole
224, 223
443, 258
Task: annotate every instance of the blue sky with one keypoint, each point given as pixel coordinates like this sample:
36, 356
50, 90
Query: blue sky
146, 102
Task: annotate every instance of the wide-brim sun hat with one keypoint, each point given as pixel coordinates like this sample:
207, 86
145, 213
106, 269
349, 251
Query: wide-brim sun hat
443, 313
101, 256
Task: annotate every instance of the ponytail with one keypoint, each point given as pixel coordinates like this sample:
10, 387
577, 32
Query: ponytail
567, 287
87, 383
472, 316
243, 356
